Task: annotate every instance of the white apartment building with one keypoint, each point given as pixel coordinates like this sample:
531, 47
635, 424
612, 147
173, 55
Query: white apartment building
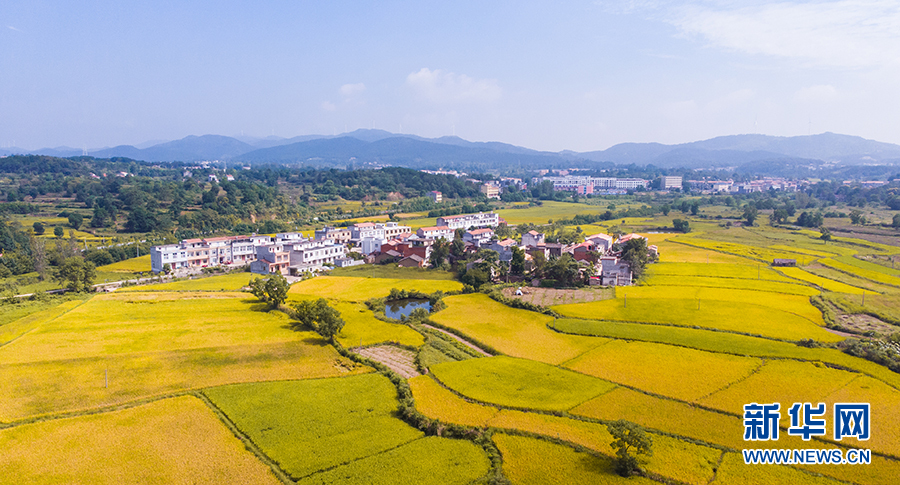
311, 254
573, 182
671, 182
465, 221
436, 232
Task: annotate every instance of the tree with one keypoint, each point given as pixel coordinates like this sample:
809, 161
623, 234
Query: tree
39, 255
826, 234
75, 220
681, 225
665, 209
439, 252
272, 289
317, 315
517, 263
77, 273
779, 216
38, 228
750, 214
58, 231
895, 222
857, 217
634, 252
629, 440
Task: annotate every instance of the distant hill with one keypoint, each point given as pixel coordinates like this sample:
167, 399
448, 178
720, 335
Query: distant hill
736, 150
378, 147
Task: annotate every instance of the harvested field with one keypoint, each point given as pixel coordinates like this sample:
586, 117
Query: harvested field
862, 323
399, 360
552, 296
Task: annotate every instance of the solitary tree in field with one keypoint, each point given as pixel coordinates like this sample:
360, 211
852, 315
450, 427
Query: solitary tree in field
273, 289
826, 234
629, 440
320, 317
58, 231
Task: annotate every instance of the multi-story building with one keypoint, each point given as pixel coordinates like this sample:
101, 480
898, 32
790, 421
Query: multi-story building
587, 185
336, 234
387, 230
271, 258
532, 239
310, 254
490, 191
436, 232
478, 237
465, 221
670, 182
393, 230
436, 196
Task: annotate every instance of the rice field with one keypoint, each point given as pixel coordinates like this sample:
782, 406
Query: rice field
436, 402
226, 282
518, 333
824, 283
133, 265
117, 348
751, 252
362, 328
628, 363
727, 316
314, 425
717, 270
781, 381
176, 440
672, 251
531, 461
733, 471
790, 288
426, 461
352, 288
861, 269
519, 383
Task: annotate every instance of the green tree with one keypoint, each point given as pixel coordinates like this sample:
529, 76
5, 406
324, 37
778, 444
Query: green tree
857, 217
317, 315
38, 228
272, 289
439, 252
75, 220
826, 234
58, 231
635, 254
895, 222
629, 440
77, 274
779, 216
750, 214
517, 263
681, 225
665, 209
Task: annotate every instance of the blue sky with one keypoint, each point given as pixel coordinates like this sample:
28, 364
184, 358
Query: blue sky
580, 76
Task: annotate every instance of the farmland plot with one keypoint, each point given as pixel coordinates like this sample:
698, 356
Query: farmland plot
355, 288
176, 440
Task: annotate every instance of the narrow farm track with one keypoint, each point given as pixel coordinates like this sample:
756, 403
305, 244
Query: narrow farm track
399, 360
460, 340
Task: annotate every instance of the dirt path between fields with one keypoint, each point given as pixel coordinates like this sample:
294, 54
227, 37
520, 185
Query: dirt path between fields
460, 340
401, 361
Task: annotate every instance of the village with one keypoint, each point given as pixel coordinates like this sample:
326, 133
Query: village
293, 254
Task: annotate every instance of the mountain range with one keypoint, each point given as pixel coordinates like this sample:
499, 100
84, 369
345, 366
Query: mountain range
379, 148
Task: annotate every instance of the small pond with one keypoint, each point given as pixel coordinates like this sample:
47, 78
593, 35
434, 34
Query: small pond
402, 308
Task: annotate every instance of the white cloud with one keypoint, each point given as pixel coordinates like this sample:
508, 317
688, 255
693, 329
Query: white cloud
328, 106
822, 33
440, 86
350, 90
816, 94
10, 27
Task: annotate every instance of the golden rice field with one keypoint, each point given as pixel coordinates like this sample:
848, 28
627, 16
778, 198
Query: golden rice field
790, 288
519, 383
728, 316
733, 471
672, 251
751, 252
176, 440
133, 265
824, 283
531, 461
436, 402
885, 403
796, 304
782, 381
14, 329
146, 344
226, 282
626, 363
362, 328
717, 270
352, 288
863, 272
518, 333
